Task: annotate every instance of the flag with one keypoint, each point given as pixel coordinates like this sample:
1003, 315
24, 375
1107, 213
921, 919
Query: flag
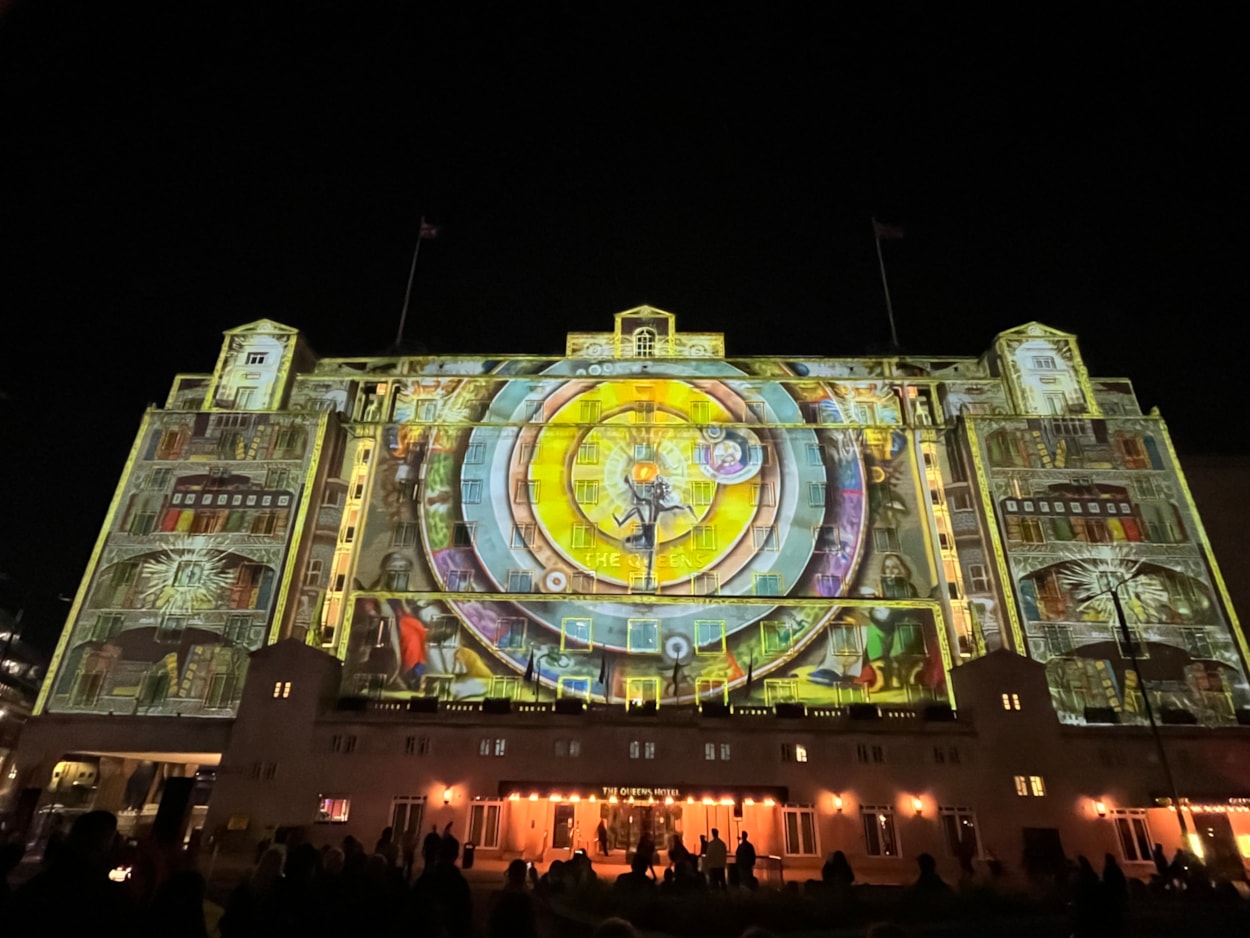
603, 670
428, 232
883, 232
529, 669
750, 675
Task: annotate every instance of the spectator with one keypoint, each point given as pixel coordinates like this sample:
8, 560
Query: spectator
715, 859
744, 860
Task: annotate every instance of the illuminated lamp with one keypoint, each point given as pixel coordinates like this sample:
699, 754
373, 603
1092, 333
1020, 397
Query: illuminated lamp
837, 803
514, 797
592, 799
645, 473
533, 796
668, 800
748, 801
768, 802
917, 806
1100, 808
709, 801
612, 800
689, 799
631, 799
575, 798
447, 793
555, 797
727, 802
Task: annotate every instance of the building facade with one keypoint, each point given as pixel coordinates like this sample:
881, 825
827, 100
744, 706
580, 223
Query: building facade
868, 604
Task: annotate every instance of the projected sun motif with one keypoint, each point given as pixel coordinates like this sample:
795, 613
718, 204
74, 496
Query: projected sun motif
187, 581
1090, 580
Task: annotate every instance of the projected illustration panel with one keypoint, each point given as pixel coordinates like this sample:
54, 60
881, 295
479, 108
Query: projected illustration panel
593, 505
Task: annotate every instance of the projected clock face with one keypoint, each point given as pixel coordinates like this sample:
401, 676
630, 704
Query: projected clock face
625, 514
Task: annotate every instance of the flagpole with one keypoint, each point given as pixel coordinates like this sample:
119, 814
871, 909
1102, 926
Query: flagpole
885, 285
403, 316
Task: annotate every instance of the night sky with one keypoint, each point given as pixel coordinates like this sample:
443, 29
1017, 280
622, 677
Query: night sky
167, 175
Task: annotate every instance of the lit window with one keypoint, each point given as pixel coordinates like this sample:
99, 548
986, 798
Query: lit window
648, 750
1022, 785
959, 825
1134, 835
880, 839
256, 358
724, 752
333, 810
1011, 701
281, 689
799, 823
709, 751
793, 752
1037, 786
644, 343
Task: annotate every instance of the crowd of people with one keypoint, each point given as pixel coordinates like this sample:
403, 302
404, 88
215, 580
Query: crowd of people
91, 882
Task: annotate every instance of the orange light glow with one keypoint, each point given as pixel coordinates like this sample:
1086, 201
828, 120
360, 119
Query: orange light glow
837, 803
645, 472
533, 796
575, 798
554, 797
709, 801
748, 801
612, 800
514, 797
668, 800
768, 802
728, 802
917, 805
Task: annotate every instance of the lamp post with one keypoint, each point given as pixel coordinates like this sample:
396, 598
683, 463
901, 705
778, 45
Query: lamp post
1131, 644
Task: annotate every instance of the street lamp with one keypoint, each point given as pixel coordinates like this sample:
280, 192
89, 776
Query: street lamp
1131, 644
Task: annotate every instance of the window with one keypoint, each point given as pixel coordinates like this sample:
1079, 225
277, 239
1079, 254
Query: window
281, 690
701, 492
475, 453
107, 626
588, 454
724, 752
644, 343
978, 580
705, 584
471, 491
777, 636
520, 581
511, 634
1011, 701
256, 358
793, 752
1134, 835
522, 536
460, 580
1044, 363
143, 522
767, 584
762, 495
709, 636
885, 540
1197, 642
345, 744
869, 753
642, 636
1058, 639
799, 822
704, 537
815, 454
816, 494
640, 749
589, 411
1030, 786
527, 491
880, 839
701, 411
713, 751
404, 534
568, 748
586, 492
417, 746
484, 824
498, 746
170, 629
709, 752
333, 810
764, 537
462, 534
576, 634
959, 826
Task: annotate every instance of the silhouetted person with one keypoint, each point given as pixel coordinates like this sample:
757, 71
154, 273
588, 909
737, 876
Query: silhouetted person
677, 851
253, 908
512, 913
646, 848
178, 907
744, 861
837, 871
74, 891
1114, 895
441, 895
387, 847
1087, 913
928, 884
602, 833
430, 847
636, 881
10, 858
408, 852
615, 928
715, 859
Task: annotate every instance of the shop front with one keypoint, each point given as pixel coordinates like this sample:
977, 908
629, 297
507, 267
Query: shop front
548, 821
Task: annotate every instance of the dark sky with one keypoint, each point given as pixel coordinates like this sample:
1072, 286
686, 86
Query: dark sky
168, 175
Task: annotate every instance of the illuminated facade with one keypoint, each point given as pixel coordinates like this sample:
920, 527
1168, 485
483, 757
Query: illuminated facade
643, 530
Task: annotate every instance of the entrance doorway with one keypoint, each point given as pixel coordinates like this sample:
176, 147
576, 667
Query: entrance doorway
1219, 846
562, 834
406, 814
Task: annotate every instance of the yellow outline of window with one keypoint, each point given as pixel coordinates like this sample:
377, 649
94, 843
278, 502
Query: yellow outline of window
629, 637
707, 687
564, 635
779, 648
699, 646
641, 684
568, 682
780, 691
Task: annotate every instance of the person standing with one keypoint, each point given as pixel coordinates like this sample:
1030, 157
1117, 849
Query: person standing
431, 846
602, 833
744, 859
715, 860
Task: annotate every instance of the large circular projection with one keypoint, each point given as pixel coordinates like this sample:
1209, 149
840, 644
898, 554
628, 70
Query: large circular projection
624, 489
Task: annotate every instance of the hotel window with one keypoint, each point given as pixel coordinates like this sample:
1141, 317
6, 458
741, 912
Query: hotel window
709, 752
815, 454
471, 491
1011, 701
256, 358
568, 748
520, 581
777, 636
522, 536
333, 810
799, 822
865, 752
780, 691
767, 584
1197, 642
107, 626
344, 743
238, 629
576, 688
462, 534
533, 411
641, 749
404, 534
885, 539
1058, 639
643, 452
959, 827
484, 824
641, 583
281, 690
460, 581
506, 687
497, 746
417, 746
642, 636
1134, 835
170, 629
700, 411
816, 494
704, 536
1030, 786
762, 495
793, 752
644, 343
701, 492
705, 584
709, 636
978, 580
880, 839
511, 634
1044, 363
1134, 647
143, 522
584, 582
725, 751
475, 453
586, 491
527, 491
576, 634
589, 411
764, 537
588, 454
